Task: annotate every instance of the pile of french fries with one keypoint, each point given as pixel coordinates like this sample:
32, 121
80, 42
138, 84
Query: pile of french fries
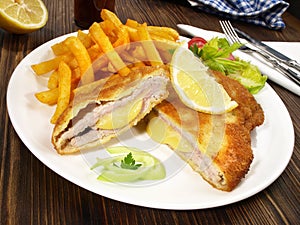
111, 41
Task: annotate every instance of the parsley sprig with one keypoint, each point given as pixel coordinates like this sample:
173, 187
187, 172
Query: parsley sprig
129, 163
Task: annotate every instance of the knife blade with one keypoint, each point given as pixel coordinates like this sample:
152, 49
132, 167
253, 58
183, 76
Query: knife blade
283, 58
191, 31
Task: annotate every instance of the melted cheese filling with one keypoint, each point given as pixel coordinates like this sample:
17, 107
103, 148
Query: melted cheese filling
160, 132
121, 116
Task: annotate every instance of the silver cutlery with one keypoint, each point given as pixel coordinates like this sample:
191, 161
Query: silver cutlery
279, 56
232, 37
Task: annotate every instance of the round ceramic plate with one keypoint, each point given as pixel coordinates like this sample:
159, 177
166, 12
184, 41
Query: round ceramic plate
272, 144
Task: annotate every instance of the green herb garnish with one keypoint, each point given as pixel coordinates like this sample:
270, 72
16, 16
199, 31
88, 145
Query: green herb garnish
129, 162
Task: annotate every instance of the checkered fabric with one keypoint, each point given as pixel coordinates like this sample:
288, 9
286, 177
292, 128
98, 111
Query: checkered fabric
266, 13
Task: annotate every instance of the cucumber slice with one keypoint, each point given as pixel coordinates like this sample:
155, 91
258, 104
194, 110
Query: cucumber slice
151, 168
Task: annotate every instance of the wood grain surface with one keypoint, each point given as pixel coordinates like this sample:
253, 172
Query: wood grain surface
31, 193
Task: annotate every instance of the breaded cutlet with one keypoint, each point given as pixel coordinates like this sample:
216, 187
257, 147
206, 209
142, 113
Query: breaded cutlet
216, 146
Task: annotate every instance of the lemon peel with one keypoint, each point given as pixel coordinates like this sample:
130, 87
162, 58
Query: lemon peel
22, 16
195, 86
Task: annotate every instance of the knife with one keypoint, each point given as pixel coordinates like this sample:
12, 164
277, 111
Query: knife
281, 57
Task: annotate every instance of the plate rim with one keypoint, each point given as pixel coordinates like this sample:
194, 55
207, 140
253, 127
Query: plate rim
125, 200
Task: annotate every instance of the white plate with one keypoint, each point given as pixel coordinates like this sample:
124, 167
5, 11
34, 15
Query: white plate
272, 145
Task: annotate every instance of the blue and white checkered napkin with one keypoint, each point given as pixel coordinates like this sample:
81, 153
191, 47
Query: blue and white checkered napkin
260, 12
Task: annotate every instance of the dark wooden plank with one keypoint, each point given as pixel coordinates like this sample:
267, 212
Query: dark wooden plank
30, 193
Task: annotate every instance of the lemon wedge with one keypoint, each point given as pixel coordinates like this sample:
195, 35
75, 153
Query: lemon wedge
22, 16
194, 85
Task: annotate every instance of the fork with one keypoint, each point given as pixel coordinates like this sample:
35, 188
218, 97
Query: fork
232, 37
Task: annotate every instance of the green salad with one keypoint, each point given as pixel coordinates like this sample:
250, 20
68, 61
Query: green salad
217, 55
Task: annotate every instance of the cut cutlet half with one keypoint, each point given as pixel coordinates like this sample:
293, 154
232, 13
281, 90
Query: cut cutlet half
106, 108
218, 147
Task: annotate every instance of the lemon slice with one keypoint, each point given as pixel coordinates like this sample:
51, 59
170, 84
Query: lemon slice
22, 16
194, 85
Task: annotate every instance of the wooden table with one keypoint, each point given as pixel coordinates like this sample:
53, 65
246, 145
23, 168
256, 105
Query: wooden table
30, 193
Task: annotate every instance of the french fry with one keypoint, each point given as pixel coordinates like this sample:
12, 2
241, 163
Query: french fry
64, 90
53, 80
108, 26
108, 47
85, 39
46, 66
59, 49
163, 36
108, 15
163, 40
123, 37
132, 23
148, 46
82, 57
164, 31
76, 77
67, 58
48, 97
133, 34
94, 52
73, 64
52, 64
103, 41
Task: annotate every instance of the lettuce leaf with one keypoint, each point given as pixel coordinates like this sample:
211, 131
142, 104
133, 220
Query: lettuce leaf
249, 78
217, 55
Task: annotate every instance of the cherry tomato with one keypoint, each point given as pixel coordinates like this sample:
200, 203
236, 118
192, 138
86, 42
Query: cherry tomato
198, 41
231, 57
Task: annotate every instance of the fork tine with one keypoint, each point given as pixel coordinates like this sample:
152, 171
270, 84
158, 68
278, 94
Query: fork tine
233, 32
224, 28
229, 32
